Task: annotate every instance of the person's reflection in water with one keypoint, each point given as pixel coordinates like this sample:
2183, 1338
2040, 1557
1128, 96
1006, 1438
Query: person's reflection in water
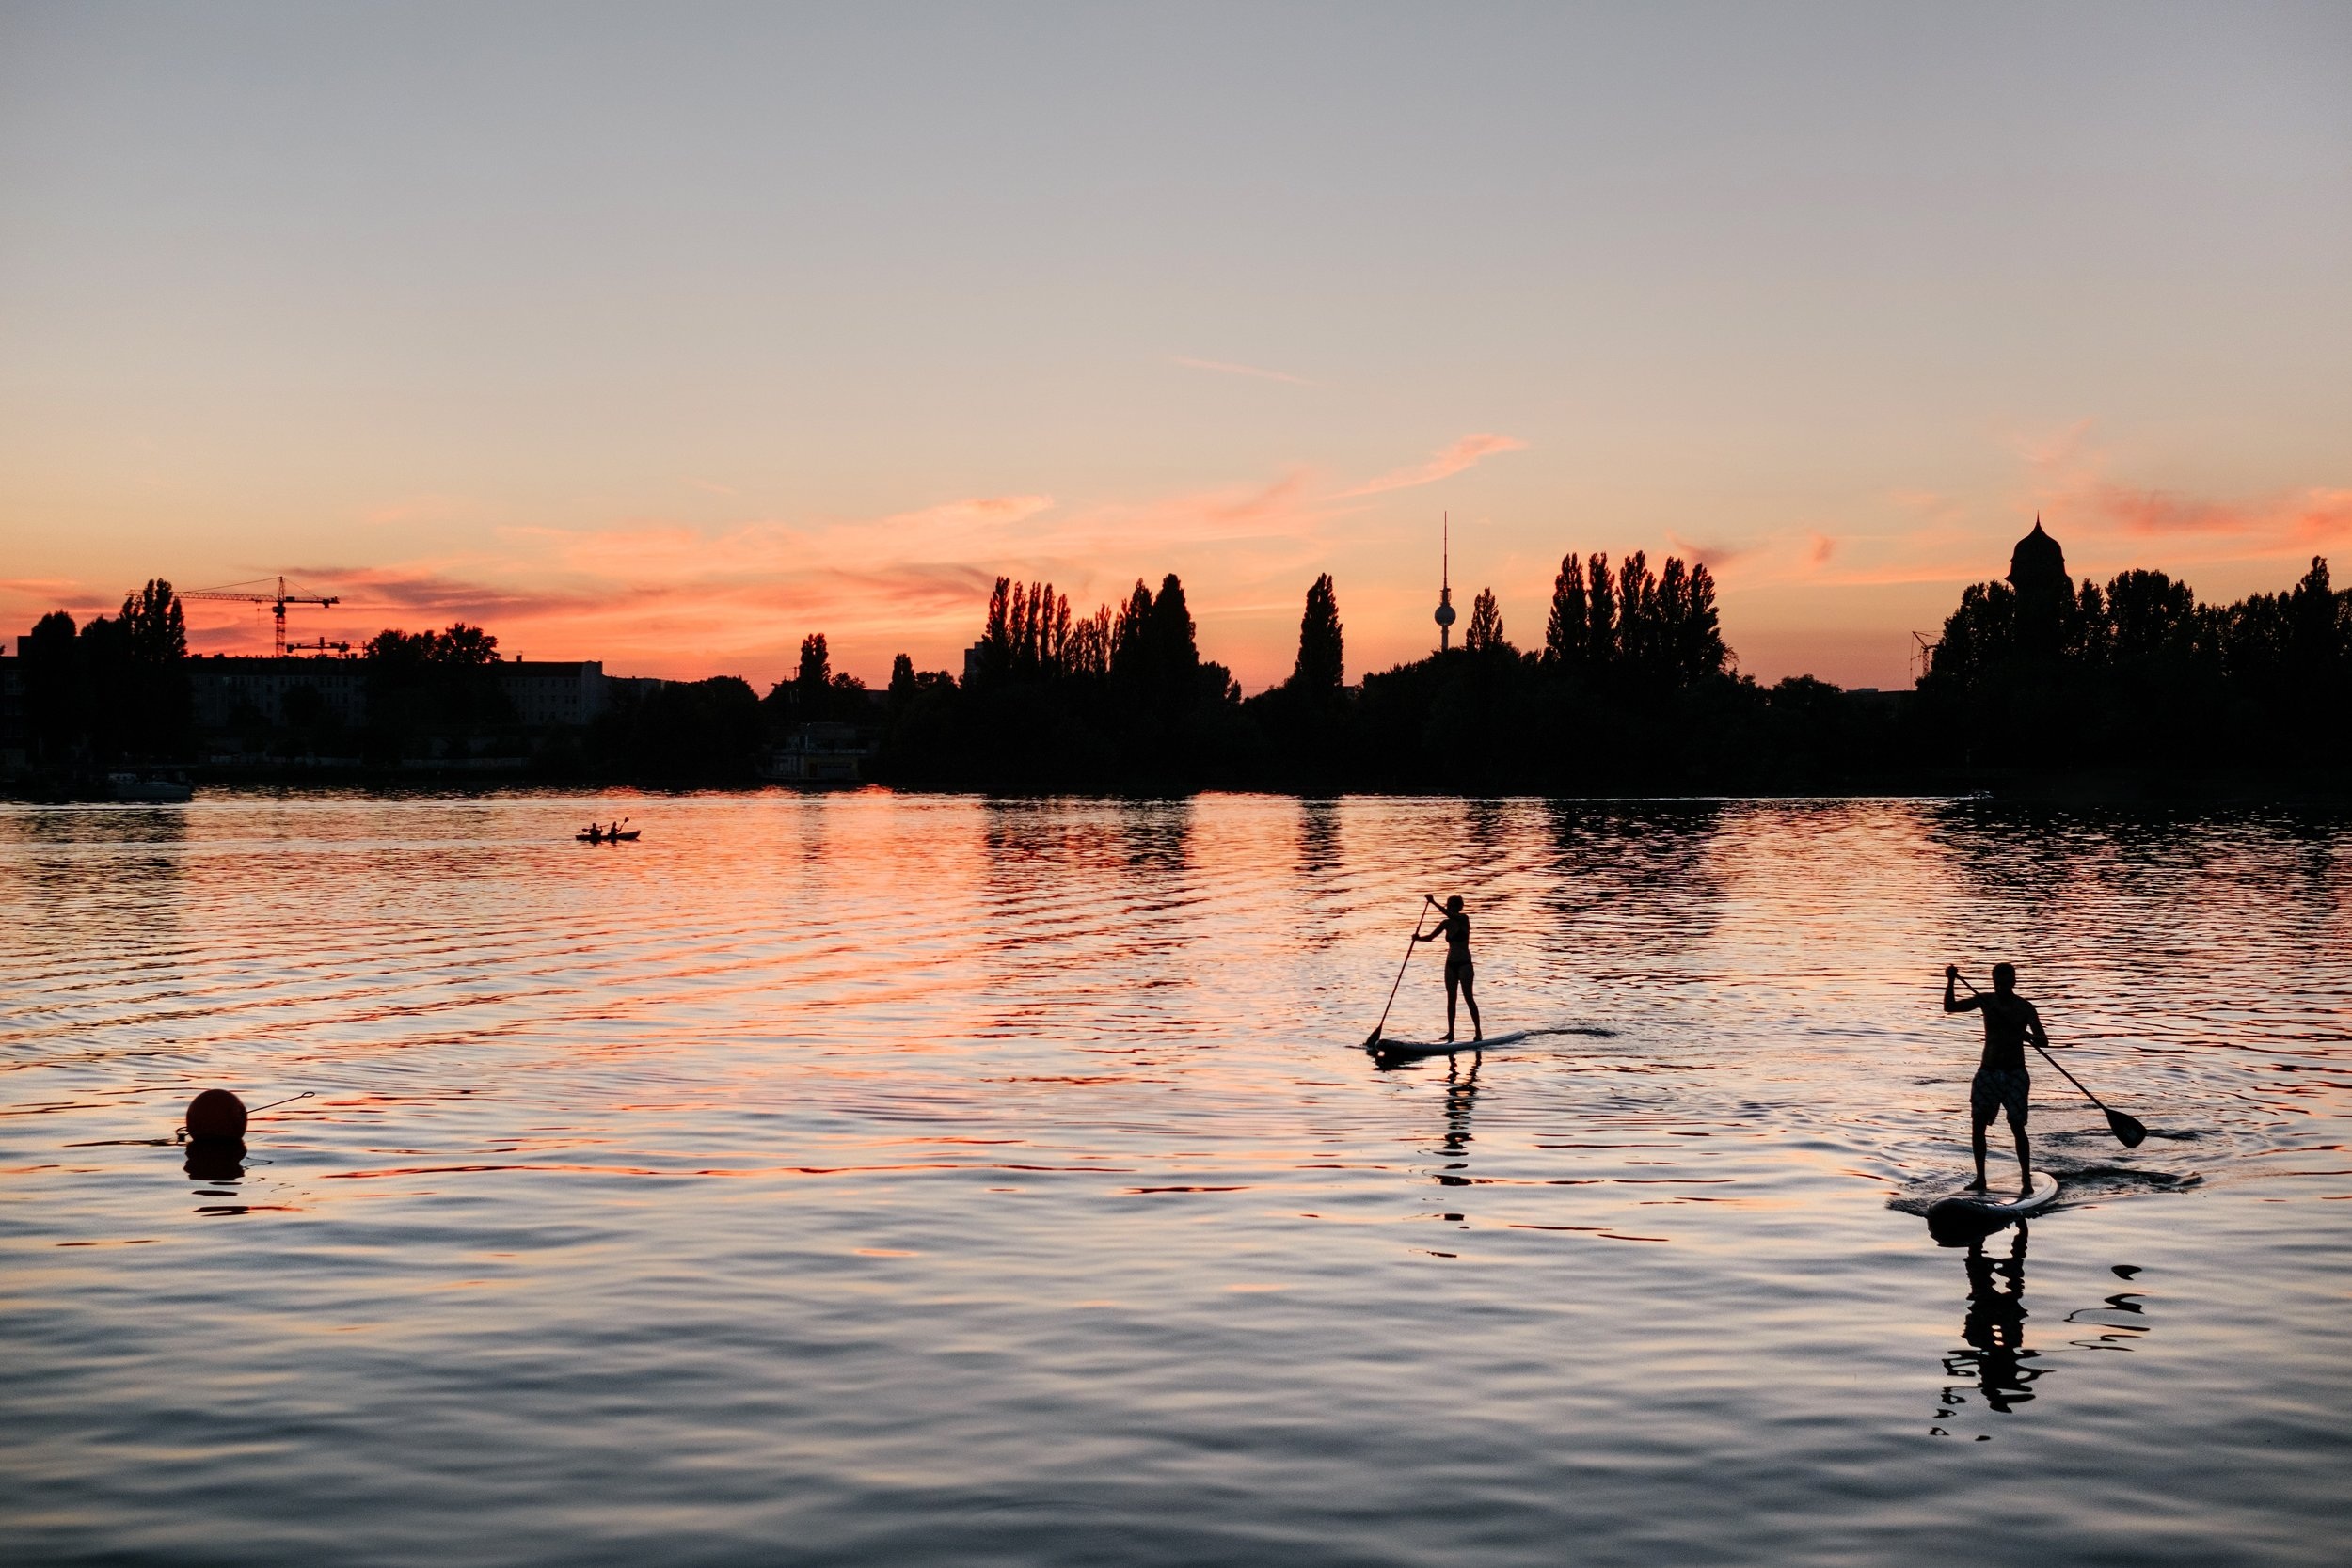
1994, 1330
1461, 1094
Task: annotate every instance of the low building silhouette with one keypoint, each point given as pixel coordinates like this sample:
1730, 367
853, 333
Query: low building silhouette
225, 690
816, 754
545, 693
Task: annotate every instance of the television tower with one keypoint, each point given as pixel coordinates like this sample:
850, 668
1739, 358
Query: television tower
1445, 584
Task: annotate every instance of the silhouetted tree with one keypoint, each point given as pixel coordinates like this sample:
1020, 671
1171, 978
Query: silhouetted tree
56, 695
1169, 637
158, 631
1568, 630
1600, 603
1695, 633
682, 732
432, 692
2147, 613
1484, 635
152, 697
1321, 670
815, 671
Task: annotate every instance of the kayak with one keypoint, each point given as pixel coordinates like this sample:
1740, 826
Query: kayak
1406, 1051
1995, 1208
608, 838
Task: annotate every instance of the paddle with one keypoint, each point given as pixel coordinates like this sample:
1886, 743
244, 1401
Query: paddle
1372, 1040
2129, 1130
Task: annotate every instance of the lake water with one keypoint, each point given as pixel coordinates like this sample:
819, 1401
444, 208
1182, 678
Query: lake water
877, 1178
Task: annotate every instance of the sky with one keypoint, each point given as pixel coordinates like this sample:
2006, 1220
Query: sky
665, 335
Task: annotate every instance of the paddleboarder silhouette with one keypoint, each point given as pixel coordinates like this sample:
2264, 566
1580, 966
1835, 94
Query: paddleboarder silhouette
1461, 975
2002, 1082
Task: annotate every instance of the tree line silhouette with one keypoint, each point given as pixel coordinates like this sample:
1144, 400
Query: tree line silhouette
2043, 673
1632, 690
116, 689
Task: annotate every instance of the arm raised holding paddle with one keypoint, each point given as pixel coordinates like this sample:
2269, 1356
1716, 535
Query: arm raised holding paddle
1461, 975
2002, 1082
2011, 1023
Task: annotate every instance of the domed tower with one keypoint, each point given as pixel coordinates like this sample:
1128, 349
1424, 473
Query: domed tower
2038, 564
1445, 585
2045, 594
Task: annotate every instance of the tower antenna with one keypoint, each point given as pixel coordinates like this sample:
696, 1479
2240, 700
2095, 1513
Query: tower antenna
1445, 583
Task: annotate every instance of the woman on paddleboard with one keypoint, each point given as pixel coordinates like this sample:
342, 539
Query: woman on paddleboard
2002, 1082
1460, 975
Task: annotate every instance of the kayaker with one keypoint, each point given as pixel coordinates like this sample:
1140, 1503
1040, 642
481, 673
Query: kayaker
2002, 1082
1461, 975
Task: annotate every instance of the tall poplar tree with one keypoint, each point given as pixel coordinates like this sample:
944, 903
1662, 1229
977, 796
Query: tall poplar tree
1566, 631
1321, 670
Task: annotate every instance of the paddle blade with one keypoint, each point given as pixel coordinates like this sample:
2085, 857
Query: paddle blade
1372, 1042
2127, 1130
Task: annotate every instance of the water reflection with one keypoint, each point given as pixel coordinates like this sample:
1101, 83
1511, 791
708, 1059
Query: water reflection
106, 875
1461, 1097
2120, 1319
1996, 1360
215, 1166
1646, 873
785, 1178
1997, 1365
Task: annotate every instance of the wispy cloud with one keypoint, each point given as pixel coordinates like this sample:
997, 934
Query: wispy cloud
1464, 453
1228, 367
2073, 488
1713, 557
2293, 520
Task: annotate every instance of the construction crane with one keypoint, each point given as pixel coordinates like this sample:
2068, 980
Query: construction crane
1922, 656
240, 591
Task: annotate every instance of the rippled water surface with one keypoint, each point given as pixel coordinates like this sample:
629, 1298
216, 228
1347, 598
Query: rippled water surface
910, 1181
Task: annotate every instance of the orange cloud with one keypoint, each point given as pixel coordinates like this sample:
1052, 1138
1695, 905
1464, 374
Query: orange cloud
1713, 557
2072, 488
2271, 525
2324, 517
1464, 453
2162, 512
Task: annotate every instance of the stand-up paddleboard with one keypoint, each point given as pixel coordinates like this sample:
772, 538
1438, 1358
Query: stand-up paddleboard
1406, 1051
1991, 1209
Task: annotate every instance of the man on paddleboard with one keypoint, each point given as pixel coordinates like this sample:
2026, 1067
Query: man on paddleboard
2001, 1082
1460, 975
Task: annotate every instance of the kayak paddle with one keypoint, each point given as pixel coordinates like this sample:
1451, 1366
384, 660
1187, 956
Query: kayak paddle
2129, 1130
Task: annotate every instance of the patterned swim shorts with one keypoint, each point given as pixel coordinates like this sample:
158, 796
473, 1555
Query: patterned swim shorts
1997, 1089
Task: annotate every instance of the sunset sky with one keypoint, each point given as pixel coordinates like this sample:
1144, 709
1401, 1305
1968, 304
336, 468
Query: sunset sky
664, 335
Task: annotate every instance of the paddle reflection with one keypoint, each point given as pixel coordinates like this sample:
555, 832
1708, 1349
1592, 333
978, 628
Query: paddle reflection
1997, 1365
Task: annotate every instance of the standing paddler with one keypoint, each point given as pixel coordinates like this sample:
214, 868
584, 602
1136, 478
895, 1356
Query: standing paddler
1461, 975
2002, 1082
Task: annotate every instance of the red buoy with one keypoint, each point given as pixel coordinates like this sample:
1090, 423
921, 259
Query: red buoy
217, 1115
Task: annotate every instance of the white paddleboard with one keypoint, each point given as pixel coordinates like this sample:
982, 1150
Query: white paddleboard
1998, 1204
1406, 1050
